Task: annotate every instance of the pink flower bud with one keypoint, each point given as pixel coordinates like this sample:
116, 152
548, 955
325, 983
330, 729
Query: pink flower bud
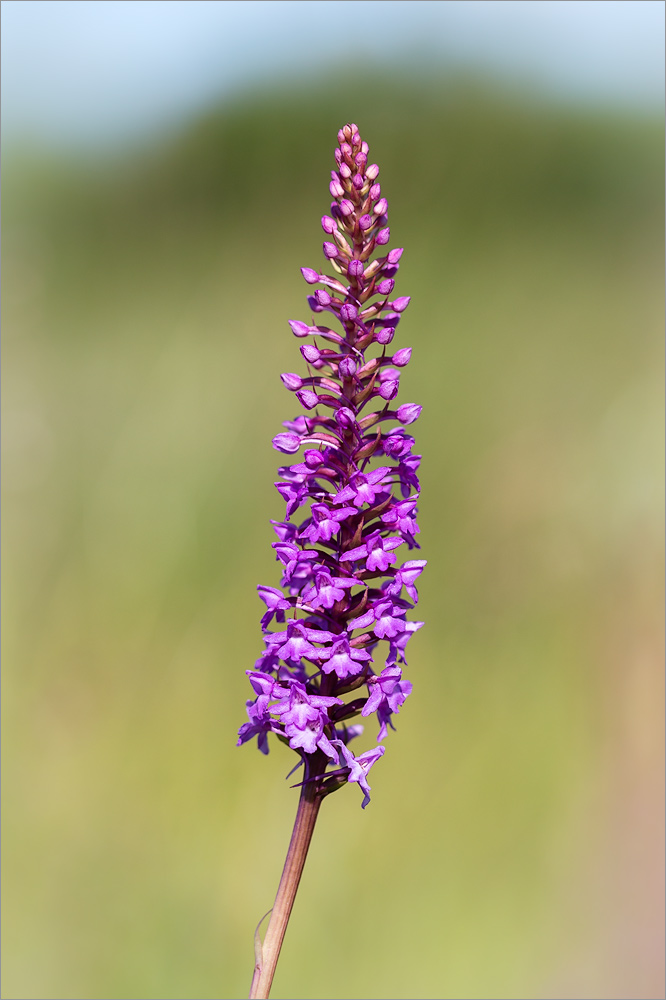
347, 367
389, 389
409, 412
385, 336
310, 353
288, 443
292, 381
401, 357
299, 329
308, 398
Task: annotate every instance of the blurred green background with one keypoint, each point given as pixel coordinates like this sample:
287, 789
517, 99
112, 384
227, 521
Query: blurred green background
513, 847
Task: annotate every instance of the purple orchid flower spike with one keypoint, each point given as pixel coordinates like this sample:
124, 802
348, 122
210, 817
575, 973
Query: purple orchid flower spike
351, 502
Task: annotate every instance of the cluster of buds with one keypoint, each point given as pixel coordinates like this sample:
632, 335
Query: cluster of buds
341, 616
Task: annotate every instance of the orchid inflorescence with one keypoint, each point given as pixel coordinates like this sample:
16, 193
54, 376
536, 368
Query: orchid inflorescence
341, 606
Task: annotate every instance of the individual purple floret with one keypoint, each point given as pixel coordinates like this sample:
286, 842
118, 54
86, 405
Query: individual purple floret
336, 631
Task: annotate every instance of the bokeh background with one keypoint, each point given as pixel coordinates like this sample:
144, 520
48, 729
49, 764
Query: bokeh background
165, 168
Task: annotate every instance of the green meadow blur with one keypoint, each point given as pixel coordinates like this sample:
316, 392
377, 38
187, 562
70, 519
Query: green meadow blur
513, 846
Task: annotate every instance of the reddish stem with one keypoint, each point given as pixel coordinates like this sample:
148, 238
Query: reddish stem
306, 817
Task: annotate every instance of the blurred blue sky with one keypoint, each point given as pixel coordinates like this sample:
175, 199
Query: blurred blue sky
77, 71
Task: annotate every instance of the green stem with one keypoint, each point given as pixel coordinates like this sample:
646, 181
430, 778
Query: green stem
306, 817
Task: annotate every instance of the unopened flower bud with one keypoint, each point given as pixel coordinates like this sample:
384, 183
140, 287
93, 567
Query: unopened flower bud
344, 417
288, 443
328, 224
385, 335
383, 236
401, 357
310, 353
409, 412
347, 367
313, 459
308, 398
292, 381
299, 329
389, 389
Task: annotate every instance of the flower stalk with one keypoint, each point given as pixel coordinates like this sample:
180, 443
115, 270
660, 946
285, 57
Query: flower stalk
341, 606
306, 817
